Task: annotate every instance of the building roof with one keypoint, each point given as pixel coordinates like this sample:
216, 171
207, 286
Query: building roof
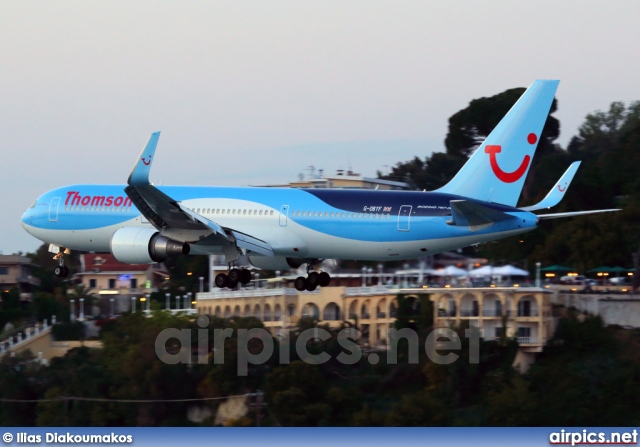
15, 259
105, 262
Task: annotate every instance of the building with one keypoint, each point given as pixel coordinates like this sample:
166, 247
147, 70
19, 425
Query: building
16, 271
371, 309
343, 180
108, 278
523, 313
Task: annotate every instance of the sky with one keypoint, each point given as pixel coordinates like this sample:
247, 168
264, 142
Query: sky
256, 92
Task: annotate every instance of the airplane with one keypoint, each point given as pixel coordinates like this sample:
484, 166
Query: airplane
284, 228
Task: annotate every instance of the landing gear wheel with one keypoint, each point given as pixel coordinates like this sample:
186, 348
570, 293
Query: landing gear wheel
311, 287
61, 271
245, 276
313, 279
222, 280
235, 275
300, 284
324, 279
232, 284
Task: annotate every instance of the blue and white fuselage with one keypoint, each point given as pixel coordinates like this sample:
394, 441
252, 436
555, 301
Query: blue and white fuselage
297, 223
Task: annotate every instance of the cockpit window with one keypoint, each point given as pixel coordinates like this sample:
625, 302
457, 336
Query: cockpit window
34, 205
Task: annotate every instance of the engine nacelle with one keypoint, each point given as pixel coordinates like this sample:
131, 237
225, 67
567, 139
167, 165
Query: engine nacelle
275, 263
135, 245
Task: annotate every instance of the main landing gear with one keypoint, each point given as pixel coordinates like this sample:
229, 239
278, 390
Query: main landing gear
312, 281
62, 271
231, 280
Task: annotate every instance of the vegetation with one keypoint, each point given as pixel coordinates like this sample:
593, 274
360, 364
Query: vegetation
588, 375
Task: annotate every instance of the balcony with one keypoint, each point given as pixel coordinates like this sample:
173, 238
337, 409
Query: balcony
527, 340
469, 313
529, 313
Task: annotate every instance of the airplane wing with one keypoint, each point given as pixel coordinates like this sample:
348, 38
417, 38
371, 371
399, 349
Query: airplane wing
175, 220
556, 193
473, 215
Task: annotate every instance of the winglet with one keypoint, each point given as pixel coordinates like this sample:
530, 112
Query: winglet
140, 173
557, 192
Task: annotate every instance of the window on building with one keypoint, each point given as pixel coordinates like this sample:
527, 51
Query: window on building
112, 283
4, 270
92, 283
134, 283
524, 332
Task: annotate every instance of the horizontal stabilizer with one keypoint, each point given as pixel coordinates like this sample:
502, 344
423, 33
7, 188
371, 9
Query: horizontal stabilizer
557, 192
574, 213
474, 215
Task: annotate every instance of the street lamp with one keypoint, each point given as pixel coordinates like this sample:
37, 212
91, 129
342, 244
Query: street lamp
168, 297
256, 277
178, 302
81, 313
111, 305
72, 304
537, 274
201, 284
142, 301
133, 304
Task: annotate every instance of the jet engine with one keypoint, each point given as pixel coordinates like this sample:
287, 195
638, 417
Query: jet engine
275, 263
135, 245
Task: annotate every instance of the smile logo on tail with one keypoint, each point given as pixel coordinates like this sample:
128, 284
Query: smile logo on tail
509, 177
561, 189
146, 163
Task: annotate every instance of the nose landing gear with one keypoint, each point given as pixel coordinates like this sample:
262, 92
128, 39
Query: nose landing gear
61, 271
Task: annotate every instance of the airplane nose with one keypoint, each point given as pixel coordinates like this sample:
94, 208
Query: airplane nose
26, 219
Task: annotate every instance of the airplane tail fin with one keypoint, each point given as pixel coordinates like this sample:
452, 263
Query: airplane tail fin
497, 170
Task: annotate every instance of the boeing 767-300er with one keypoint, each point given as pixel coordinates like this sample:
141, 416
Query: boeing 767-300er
282, 228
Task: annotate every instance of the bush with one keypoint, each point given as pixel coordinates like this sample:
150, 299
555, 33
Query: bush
68, 331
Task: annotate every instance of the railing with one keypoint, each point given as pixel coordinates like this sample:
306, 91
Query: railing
469, 313
366, 315
360, 291
444, 313
245, 293
527, 340
382, 315
531, 313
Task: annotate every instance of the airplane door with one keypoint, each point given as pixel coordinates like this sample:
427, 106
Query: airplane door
404, 218
53, 209
284, 210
